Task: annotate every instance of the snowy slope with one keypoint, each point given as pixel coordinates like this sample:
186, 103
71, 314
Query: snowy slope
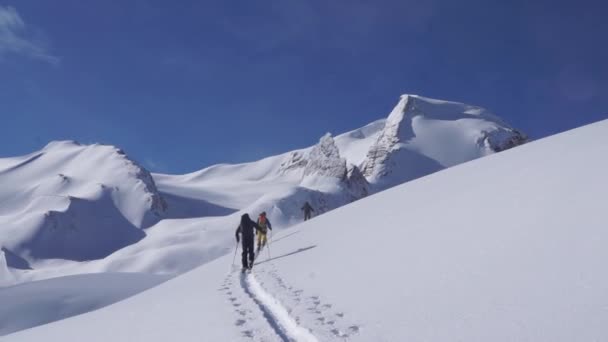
230, 186
454, 256
423, 135
71, 209
45, 301
74, 202
420, 136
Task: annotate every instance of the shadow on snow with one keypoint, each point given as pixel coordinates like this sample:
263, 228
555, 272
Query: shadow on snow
300, 250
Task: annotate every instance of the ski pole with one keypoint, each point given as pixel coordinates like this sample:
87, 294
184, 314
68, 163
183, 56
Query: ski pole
269, 243
236, 248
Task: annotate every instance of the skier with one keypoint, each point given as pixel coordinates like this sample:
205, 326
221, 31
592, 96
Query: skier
247, 229
264, 223
307, 211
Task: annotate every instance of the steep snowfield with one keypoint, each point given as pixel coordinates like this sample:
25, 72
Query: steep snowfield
511, 247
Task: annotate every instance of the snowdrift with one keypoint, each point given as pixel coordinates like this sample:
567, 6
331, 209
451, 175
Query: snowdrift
506, 248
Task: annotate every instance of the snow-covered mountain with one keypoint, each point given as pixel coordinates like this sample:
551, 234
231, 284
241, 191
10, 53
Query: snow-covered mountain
420, 136
72, 209
454, 256
75, 202
423, 135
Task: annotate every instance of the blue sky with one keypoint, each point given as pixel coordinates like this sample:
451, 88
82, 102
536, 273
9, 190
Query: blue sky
185, 84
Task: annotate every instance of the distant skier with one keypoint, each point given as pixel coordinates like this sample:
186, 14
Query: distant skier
247, 229
307, 211
264, 223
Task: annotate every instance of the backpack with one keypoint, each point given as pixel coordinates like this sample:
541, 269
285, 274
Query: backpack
262, 223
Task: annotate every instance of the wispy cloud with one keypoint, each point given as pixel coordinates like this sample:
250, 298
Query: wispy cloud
16, 38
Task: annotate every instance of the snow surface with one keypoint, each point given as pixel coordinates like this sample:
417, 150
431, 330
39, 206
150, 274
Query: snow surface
74, 202
45, 301
72, 209
423, 135
511, 247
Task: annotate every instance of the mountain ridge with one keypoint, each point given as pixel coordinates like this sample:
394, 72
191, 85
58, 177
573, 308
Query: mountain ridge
90, 183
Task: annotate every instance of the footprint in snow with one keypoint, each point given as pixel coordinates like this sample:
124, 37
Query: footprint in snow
315, 301
239, 322
338, 333
353, 329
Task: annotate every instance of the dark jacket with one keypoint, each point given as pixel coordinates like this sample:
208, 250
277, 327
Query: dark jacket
247, 228
307, 207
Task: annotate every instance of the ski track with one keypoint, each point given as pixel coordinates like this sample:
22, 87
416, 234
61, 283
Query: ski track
277, 316
257, 309
328, 323
284, 311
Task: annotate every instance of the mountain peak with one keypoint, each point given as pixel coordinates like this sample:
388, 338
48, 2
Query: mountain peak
57, 144
68, 189
423, 135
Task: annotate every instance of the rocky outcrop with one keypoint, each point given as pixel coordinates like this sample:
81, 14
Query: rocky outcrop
327, 171
157, 204
324, 160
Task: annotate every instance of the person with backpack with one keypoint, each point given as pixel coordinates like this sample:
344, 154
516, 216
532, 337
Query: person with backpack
264, 223
247, 229
307, 208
